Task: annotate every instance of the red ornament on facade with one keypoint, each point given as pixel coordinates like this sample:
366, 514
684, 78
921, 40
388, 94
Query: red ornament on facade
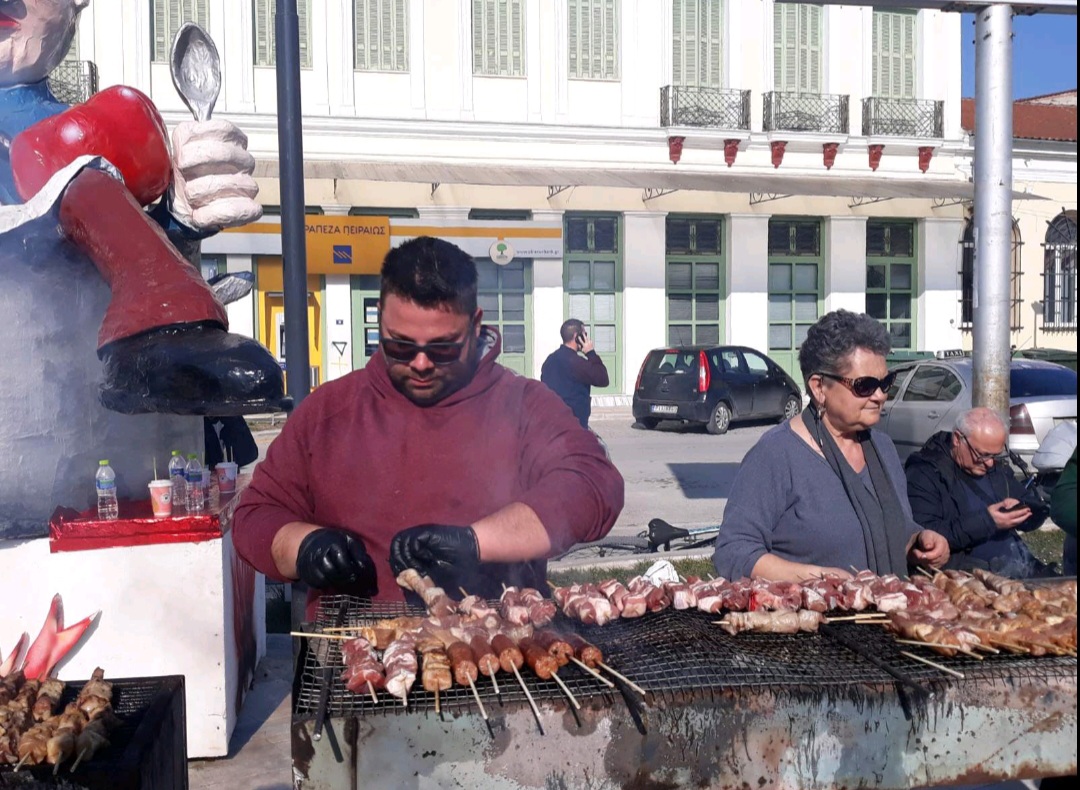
731, 150
828, 154
925, 153
674, 148
875, 156
778, 147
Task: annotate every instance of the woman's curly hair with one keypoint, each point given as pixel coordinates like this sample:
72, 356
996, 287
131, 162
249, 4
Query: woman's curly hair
835, 337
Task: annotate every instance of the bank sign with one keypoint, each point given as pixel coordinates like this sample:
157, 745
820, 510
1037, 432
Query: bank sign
346, 245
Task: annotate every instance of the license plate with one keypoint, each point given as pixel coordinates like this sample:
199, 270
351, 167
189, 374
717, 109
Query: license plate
656, 408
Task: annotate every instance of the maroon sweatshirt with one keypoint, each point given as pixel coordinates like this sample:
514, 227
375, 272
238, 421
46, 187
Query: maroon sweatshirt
357, 454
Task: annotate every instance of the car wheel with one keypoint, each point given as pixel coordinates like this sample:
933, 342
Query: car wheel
648, 423
720, 420
792, 406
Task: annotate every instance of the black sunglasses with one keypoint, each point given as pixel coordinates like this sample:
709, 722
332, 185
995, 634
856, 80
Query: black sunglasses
863, 386
406, 351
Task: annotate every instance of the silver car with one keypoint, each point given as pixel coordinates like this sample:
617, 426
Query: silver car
927, 396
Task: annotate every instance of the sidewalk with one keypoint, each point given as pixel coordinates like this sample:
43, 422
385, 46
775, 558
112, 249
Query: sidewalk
260, 752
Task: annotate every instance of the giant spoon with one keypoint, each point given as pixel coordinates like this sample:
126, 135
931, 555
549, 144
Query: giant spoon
196, 70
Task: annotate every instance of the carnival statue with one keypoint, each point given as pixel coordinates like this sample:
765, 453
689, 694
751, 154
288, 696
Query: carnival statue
95, 211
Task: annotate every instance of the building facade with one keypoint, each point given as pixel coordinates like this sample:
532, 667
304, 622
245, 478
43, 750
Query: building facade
667, 171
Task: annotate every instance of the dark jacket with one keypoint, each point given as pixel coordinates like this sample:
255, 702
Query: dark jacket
1063, 512
571, 376
938, 490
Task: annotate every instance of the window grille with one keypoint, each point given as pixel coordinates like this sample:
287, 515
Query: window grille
498, 38
797, 37
697, 45
1059, 272
593, 38
381, 31
967, 278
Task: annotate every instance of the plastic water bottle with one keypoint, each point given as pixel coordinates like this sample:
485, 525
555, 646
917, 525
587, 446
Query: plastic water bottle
105, 483
193, 473
176, 475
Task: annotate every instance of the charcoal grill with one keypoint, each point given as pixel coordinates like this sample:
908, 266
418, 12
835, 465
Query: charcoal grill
147, 751
800, 710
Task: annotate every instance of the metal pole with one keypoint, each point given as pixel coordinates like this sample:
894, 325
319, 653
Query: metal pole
993, 207
291, 174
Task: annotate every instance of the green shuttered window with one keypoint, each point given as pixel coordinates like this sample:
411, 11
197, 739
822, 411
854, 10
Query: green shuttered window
593, 32
797, 47
697, 43
381, 28
264, 32
498, 38
167, 17
894, 54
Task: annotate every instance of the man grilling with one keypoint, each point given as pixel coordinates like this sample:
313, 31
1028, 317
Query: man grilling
960, 486
432, 457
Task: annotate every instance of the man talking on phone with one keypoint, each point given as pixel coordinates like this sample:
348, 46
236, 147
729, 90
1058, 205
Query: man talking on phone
573, 369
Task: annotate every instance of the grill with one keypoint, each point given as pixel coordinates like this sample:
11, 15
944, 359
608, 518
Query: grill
147, 751
668, 653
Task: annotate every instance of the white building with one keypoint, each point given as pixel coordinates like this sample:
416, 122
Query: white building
668, 171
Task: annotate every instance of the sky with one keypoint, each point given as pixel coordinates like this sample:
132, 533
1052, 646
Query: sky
1044, 54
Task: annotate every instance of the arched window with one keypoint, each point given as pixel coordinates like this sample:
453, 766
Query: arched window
967, 277
1059, 272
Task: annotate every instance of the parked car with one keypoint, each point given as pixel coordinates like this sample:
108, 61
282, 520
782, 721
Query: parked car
712, 385
927, 397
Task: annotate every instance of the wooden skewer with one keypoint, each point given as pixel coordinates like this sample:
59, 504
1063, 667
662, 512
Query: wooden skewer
924, 572
986, 648
341, 628
593, 672
856, 618
623, 678
405, 699
1057, 651
476, 696
933, 664
1008, 646
529, 697
55, 769
438, 710
495, 686
920, 643
565, 690
374, 696
552, 584
341, 637
20, 764
78, 760
465, 594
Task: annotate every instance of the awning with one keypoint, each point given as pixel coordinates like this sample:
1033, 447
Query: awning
668, 179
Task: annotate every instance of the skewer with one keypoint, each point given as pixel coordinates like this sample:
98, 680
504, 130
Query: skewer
565, 690
529, 697
924, 572
479, 704
920, 643
933, 664
623, 678
552, 584
463, 592
341, 628
1008, 646
342, 637
593, 672
865, 617
438, 710
78, 760
986, 648
55, 769
495, 686
20, 764
405, 698
374, 696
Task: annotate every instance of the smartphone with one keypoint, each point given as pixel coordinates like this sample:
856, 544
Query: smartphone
1014, 508
580, 340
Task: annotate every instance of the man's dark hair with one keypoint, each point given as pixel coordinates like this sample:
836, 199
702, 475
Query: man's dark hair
431, 273
835, 337
570, 329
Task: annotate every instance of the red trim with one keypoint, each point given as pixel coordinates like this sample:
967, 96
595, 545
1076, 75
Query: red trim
674, 147
925, 152
875, 155
72, 531
828, 154
778, 147
731, 150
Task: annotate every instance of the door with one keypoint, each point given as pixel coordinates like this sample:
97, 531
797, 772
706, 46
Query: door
592, 287
736, 379
365, 323
928, 404
770, 391
504, 293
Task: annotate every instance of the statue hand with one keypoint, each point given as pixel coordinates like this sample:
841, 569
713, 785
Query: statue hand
212, 186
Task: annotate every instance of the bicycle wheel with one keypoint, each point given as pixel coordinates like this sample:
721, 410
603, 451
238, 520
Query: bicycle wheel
605, 548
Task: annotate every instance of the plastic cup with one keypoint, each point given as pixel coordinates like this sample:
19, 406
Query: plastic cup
161, 497
226, 477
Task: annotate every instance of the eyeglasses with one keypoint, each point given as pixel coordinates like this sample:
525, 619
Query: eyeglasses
863, 386
406, 351
983, 458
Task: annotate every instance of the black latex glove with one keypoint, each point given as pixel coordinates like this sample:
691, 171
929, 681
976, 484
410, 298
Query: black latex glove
336, 559
435, 550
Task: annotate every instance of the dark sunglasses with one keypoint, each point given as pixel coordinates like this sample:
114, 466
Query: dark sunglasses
983, 458
863, 386
406, 351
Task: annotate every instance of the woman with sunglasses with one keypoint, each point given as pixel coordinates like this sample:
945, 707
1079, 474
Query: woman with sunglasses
824, 493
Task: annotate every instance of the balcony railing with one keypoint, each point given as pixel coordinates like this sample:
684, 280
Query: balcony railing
714, 108
903, 117
74, 81
806, 112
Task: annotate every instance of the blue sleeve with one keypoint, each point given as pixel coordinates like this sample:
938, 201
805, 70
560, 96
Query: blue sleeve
758, 499
182, 237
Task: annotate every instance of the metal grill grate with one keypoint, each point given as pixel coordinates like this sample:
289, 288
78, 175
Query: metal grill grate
667, 652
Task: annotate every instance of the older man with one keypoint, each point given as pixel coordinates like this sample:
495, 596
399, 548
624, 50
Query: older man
961, 486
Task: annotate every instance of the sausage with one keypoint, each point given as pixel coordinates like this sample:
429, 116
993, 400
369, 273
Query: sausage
539, 660
557, 647
510, 657
486, 660
463, 662
586, 652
